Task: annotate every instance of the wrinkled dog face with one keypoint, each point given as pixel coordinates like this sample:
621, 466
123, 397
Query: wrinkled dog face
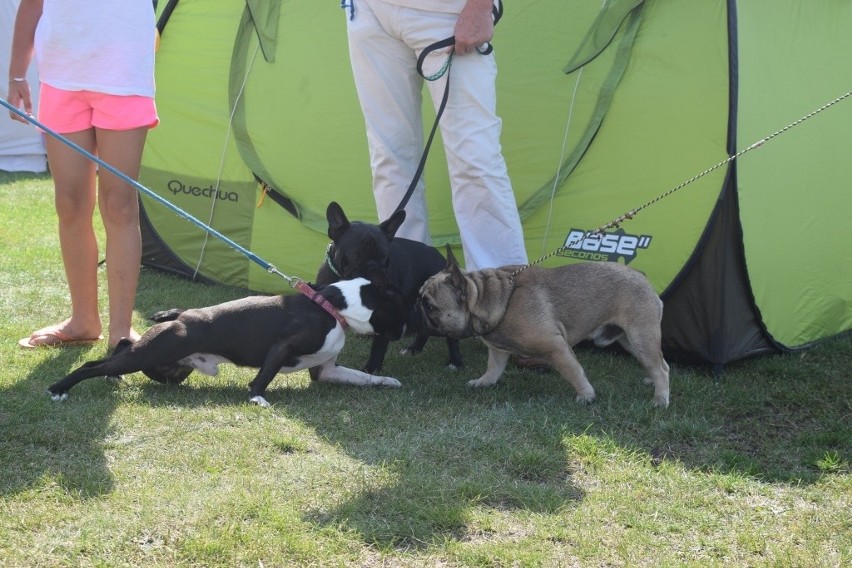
443, 304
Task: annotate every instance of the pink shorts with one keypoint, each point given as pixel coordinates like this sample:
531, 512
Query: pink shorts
74, 111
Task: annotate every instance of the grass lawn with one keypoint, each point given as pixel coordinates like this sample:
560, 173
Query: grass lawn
750, 469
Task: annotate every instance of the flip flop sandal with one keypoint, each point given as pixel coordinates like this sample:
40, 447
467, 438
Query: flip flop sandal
50, 337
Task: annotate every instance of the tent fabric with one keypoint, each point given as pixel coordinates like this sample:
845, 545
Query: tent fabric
605, 106
264, 16
21, 146
797, 260
602, 32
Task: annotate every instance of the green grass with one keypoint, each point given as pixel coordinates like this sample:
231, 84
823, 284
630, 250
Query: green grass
748, 470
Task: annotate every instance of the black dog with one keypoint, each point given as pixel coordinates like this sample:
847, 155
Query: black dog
356, 245
277, 334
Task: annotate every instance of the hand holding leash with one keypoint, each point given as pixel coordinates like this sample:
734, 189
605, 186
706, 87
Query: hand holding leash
474, 27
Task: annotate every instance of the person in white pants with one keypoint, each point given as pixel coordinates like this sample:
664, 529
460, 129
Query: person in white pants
385, 39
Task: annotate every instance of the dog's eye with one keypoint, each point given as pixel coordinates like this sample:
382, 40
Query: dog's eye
427, 305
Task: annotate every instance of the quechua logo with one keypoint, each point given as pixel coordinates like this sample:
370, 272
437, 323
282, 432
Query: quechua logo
607, 247
178, 187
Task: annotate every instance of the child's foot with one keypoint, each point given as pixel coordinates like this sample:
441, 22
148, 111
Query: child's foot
57, 336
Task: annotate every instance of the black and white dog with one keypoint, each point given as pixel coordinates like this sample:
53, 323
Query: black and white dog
357, 245
277, 334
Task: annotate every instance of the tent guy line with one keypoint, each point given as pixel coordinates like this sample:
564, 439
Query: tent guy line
229, 130
616, 223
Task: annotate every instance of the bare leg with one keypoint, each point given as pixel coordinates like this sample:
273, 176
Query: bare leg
119, 208
74, 182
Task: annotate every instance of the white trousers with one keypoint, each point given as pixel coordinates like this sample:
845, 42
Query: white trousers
384, 43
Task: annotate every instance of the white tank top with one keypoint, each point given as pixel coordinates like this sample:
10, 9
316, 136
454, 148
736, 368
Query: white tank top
97, 45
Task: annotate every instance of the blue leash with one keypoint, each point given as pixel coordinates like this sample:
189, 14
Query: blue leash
266, 265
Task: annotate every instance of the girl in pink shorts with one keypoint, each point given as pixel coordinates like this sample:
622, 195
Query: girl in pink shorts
98, 91
73, 111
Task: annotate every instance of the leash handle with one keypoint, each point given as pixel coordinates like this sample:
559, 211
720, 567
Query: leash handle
32, 120
445, 70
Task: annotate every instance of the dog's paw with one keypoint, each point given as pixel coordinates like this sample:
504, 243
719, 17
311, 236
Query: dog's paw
57, 396
479, 383
260, 401
386, 381
586, 398
661, 401
453, 366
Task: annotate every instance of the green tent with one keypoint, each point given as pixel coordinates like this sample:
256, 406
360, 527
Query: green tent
607, 108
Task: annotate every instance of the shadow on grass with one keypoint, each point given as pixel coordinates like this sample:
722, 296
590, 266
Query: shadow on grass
45, 443
450, 452
777, 419
441, 457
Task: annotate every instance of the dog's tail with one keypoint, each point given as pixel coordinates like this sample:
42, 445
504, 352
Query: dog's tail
166, 315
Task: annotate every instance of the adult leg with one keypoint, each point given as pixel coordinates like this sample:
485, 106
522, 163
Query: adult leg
389, 90
483, 201
119, 207
74, 187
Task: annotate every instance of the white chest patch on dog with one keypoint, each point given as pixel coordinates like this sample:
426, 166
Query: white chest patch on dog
357, 315
331, 347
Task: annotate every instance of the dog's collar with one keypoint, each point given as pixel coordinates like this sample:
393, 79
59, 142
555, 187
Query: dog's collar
321, 300
330, 262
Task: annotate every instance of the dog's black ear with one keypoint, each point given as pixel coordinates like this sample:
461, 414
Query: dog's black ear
390, 226
337, 221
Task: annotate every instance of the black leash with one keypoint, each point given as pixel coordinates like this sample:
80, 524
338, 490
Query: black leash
445, 70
